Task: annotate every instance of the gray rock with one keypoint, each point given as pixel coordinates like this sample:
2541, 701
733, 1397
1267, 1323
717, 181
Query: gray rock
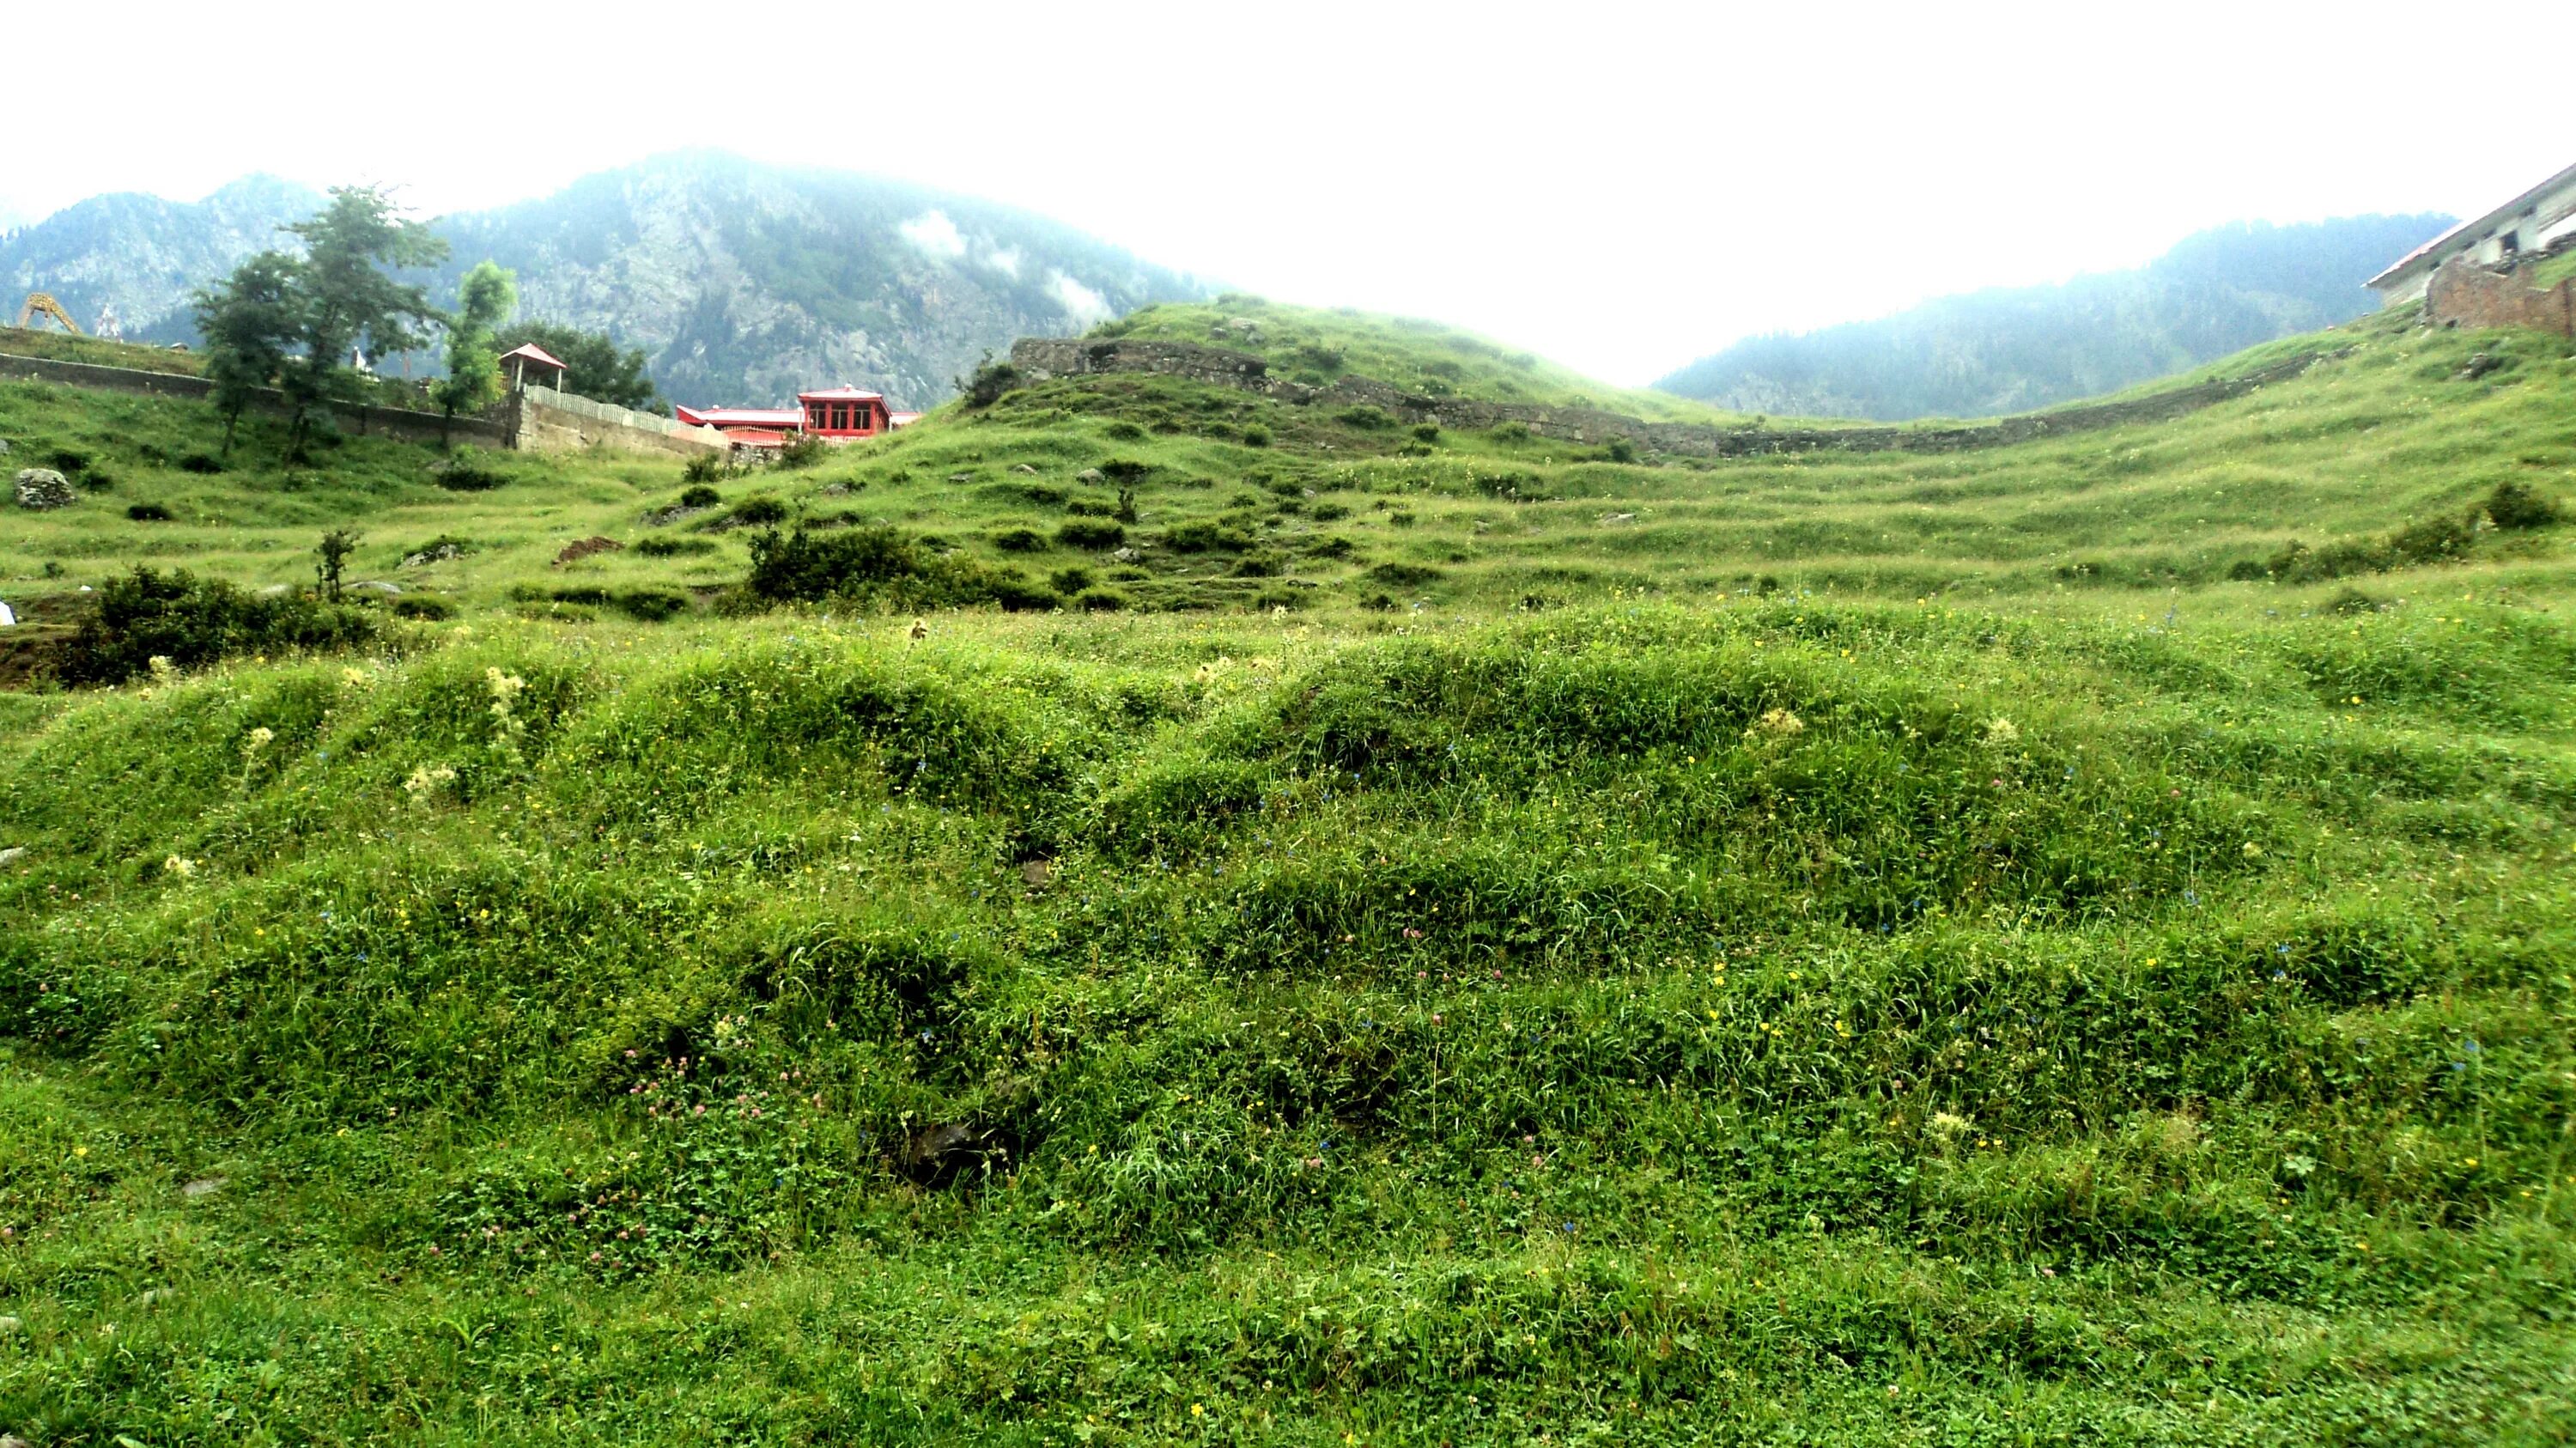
376, 586
9, 1328
43, 489
277, 590
1025, 468
202, 1187
1088, 475
1125, 555
4, 447
440, 554
13, 854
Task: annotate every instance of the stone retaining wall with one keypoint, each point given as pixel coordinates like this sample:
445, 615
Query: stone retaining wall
2463, 293
551, 421
1039, 358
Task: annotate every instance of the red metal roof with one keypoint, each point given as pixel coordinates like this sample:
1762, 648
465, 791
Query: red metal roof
777, 417
538, 355
842, 393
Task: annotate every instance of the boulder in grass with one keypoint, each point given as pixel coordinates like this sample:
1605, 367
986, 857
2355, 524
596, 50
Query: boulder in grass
43, 489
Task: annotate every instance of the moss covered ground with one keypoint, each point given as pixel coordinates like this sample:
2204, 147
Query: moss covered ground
1826, 950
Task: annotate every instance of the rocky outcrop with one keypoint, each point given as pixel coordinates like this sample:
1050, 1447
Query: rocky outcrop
43, 489
1039, 358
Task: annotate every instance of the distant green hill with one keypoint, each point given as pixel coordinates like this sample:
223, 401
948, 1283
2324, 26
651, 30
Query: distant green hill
2012, 350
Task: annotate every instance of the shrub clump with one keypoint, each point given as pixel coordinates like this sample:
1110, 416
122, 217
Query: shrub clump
879, 565
1091, 533
2518, 505
188, 622
1020, 540
699, 495
674, 547
148, 513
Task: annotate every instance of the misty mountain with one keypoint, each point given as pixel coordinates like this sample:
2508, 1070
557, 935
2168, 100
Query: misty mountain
746, 282
742, 282
143, 255
2011, 350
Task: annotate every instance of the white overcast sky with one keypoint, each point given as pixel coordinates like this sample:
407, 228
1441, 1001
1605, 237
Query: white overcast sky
1619, 186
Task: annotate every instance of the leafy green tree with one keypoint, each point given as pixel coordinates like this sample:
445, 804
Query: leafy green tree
248, 320
484, 301
594, 365
348, 299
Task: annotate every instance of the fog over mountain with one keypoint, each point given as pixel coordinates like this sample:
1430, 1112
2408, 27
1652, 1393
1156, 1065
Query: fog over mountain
2010, 350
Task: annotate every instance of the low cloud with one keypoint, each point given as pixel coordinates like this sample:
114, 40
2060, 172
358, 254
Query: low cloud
1081, 303
934, 235
1005, 260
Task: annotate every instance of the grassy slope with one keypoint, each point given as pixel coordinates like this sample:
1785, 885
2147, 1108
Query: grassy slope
1666, 1017
61, 347
1432, 358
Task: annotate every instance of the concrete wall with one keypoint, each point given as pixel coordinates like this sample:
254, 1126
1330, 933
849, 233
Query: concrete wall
2463, 293
551, 421
1039, 358
361, 421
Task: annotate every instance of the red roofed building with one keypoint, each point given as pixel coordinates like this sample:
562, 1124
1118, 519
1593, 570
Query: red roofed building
845, 412
837, 414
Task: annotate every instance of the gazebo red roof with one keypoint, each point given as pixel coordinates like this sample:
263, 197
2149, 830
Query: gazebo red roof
842, 393
538, 355
776, 417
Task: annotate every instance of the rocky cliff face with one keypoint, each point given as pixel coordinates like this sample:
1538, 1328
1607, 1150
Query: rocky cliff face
748, 282
144, 256
743, 282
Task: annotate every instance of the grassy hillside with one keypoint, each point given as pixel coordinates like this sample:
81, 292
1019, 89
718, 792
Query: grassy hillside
1852, 950
1432, 358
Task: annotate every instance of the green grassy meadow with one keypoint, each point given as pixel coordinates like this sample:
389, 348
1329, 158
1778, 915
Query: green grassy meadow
1451, 939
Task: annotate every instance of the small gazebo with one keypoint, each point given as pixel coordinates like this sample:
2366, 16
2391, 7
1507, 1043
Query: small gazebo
532, 355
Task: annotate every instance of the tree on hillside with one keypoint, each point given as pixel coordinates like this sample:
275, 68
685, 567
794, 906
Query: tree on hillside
249, 322
594, 365
349, 301
484, 301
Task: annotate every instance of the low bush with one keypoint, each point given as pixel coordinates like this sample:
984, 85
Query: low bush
661, 547
985, 385
198, 462
1090, 533
700, 496
650, 605
1204, 536
1070, 580
1091, 508
1020, 540
191, 621
148, 513
879, 565
423, 606
1404, 575
1256, 436
1100, 600
802, 450
1125, 471
466, 473
706, 467
757, 513
1365, 418
2519, 505
1124, 431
